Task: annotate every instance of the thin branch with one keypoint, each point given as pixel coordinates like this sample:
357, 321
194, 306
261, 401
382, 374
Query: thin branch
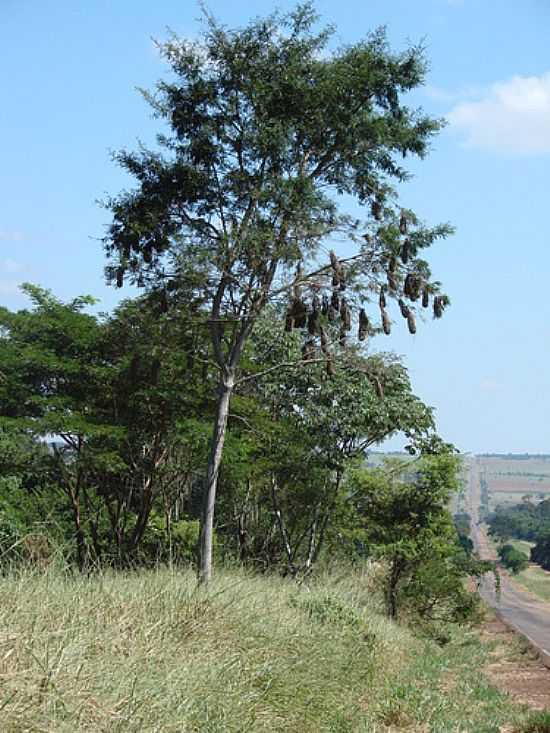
283, 365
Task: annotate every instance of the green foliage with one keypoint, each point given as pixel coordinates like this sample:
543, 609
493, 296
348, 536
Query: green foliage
540, 553
327, 608
513, 559
114, 393
538, 722
525, 521
175, 543
406, 522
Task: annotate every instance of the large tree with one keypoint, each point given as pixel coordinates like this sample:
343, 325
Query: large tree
272, 136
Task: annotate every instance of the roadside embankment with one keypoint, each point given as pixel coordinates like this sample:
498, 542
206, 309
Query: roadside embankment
146, 651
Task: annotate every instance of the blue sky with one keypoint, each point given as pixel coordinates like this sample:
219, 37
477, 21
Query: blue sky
69, 72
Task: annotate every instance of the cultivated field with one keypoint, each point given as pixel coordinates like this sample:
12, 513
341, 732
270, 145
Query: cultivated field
510, 479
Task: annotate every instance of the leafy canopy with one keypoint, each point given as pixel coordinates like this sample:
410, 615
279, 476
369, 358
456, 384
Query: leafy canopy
267, 128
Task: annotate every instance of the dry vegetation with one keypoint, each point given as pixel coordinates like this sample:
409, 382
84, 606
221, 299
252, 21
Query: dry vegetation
146, 652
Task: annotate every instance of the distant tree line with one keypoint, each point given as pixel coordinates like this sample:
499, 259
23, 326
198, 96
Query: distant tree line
528, 521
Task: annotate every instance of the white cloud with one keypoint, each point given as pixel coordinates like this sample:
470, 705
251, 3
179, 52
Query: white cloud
512, 116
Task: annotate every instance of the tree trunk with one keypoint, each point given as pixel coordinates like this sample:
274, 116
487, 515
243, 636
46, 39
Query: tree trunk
282, 527
214, 463
397, 567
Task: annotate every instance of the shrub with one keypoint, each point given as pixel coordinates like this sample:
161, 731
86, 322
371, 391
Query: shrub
513, 559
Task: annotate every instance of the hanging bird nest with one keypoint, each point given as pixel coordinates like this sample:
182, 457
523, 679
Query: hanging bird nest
338, 272
147, 254
296, 315
308, 350
313, 322
411, 322
376, 209
403, 223
404, 308
425, 297
331, 370
119, 277
364, 325
345, 315
405, 252
392, 282
412, 287
440, 301
386, 323
416, 287
382, 298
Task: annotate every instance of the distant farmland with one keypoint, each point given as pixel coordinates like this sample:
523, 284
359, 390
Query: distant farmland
509, 479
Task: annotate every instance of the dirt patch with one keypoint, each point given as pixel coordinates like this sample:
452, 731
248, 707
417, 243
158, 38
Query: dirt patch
515, 667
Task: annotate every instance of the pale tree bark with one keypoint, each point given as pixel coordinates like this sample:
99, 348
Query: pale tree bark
214, 463
251, 305
282, 527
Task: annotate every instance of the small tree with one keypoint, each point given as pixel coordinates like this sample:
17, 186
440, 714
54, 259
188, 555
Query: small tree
267, 130
406, 521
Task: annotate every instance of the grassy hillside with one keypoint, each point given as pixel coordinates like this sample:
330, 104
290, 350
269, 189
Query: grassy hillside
148, 652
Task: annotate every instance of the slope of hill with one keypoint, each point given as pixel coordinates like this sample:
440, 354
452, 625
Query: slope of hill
147, 651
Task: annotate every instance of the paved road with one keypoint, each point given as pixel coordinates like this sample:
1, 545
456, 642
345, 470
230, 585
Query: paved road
519, 608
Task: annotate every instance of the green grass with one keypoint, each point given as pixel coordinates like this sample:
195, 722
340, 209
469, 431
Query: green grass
522, 546
143, 652
537, 723
536, 580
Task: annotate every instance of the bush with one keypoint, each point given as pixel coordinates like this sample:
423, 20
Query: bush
513, 559
327, 608
179, 546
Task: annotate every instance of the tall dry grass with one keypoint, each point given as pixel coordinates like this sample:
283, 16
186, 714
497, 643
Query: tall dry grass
148, 651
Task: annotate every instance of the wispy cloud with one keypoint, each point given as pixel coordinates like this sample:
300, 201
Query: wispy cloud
490, 385
12, 274
453, 95
10, 236
11, 266
9, 287
511, 116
